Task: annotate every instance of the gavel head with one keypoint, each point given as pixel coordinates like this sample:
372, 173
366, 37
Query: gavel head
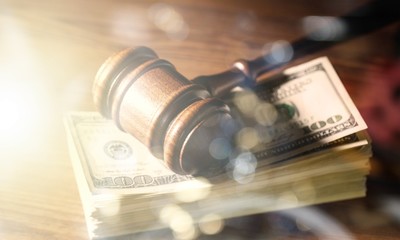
175, 118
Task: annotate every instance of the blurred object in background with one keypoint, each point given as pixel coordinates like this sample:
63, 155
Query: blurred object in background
380, 106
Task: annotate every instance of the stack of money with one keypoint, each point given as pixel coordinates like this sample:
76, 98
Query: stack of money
304, 143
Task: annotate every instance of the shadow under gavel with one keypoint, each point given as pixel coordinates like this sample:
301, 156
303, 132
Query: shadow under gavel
178, 119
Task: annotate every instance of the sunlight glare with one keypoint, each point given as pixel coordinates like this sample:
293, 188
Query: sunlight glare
20, 113
21, 90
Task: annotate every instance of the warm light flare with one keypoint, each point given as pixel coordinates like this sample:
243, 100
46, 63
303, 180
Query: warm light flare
21, 96
21, 113
180, 221
193, 191
211, 224
169, 20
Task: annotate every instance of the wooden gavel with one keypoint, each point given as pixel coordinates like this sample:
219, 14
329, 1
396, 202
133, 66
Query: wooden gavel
178, 119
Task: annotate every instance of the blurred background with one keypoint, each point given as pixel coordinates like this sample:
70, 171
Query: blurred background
50, 52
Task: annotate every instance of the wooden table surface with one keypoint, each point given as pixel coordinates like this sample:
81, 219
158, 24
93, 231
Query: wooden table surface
50, 52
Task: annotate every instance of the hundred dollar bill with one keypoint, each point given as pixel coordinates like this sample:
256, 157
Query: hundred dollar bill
311, 108
113, 160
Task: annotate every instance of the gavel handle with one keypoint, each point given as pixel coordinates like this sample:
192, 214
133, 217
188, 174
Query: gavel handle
361, 21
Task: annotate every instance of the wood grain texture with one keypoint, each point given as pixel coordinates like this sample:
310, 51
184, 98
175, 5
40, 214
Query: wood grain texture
50, 52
